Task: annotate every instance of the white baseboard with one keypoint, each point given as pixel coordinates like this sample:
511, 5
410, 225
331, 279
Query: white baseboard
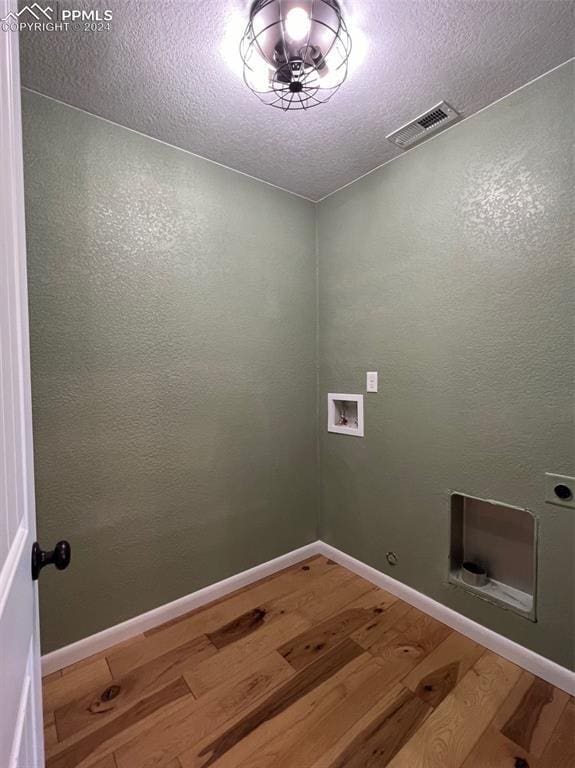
523, 657
70, 654
538, 665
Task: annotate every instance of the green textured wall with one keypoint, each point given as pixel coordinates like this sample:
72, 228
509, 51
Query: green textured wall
450, 271
174, 359
174, 368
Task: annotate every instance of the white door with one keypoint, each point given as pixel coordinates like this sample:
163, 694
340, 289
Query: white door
21, 744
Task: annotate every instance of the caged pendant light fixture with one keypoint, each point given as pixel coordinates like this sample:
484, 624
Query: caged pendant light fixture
295, 52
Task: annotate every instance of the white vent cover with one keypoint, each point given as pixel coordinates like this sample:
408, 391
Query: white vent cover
432, 121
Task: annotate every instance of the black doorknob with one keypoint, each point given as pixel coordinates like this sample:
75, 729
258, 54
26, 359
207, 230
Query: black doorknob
59, 556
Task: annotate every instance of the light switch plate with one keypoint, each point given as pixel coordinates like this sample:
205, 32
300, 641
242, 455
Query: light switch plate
560, 490
371, 381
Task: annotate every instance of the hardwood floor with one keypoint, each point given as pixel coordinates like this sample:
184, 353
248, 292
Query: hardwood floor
311, 668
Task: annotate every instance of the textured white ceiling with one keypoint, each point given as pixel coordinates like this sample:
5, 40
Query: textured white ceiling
171, 69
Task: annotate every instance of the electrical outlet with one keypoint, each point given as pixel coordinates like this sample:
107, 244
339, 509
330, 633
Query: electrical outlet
560, 490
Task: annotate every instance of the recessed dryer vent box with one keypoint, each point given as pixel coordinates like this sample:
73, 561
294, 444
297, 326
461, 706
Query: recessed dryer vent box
500, 540
345, 414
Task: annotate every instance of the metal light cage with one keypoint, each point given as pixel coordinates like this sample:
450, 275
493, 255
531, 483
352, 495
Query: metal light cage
295, 74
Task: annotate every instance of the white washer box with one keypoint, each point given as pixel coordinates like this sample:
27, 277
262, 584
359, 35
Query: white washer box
345, 414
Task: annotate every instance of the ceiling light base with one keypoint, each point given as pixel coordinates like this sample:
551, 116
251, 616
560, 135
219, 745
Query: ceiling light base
295, 52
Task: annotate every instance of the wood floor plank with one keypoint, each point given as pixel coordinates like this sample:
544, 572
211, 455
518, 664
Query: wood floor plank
349, 591
106, 762
374, 598
440, 671
52, 676
449, 734
417, 630
379, 735
298, 734
420, 635
69, 687
333, 667
302, 738
211, 618
388, 725
102, 704
531, 713
494, 750
381, 625
101, 654
561, 748
90, 742
326, 596
50, 736
239, 627
316, 563
322, 637
198, 719
217, 669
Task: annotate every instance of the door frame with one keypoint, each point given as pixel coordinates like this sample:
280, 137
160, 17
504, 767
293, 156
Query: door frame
21, 732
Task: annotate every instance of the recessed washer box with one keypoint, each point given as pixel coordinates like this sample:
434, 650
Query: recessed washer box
345, 414
501, 540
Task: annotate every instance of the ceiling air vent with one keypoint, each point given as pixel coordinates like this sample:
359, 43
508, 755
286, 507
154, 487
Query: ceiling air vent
431, 122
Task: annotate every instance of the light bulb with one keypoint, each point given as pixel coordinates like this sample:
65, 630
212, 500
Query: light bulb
298, 23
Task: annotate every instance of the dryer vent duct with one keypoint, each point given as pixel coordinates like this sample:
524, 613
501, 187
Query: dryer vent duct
427, 124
